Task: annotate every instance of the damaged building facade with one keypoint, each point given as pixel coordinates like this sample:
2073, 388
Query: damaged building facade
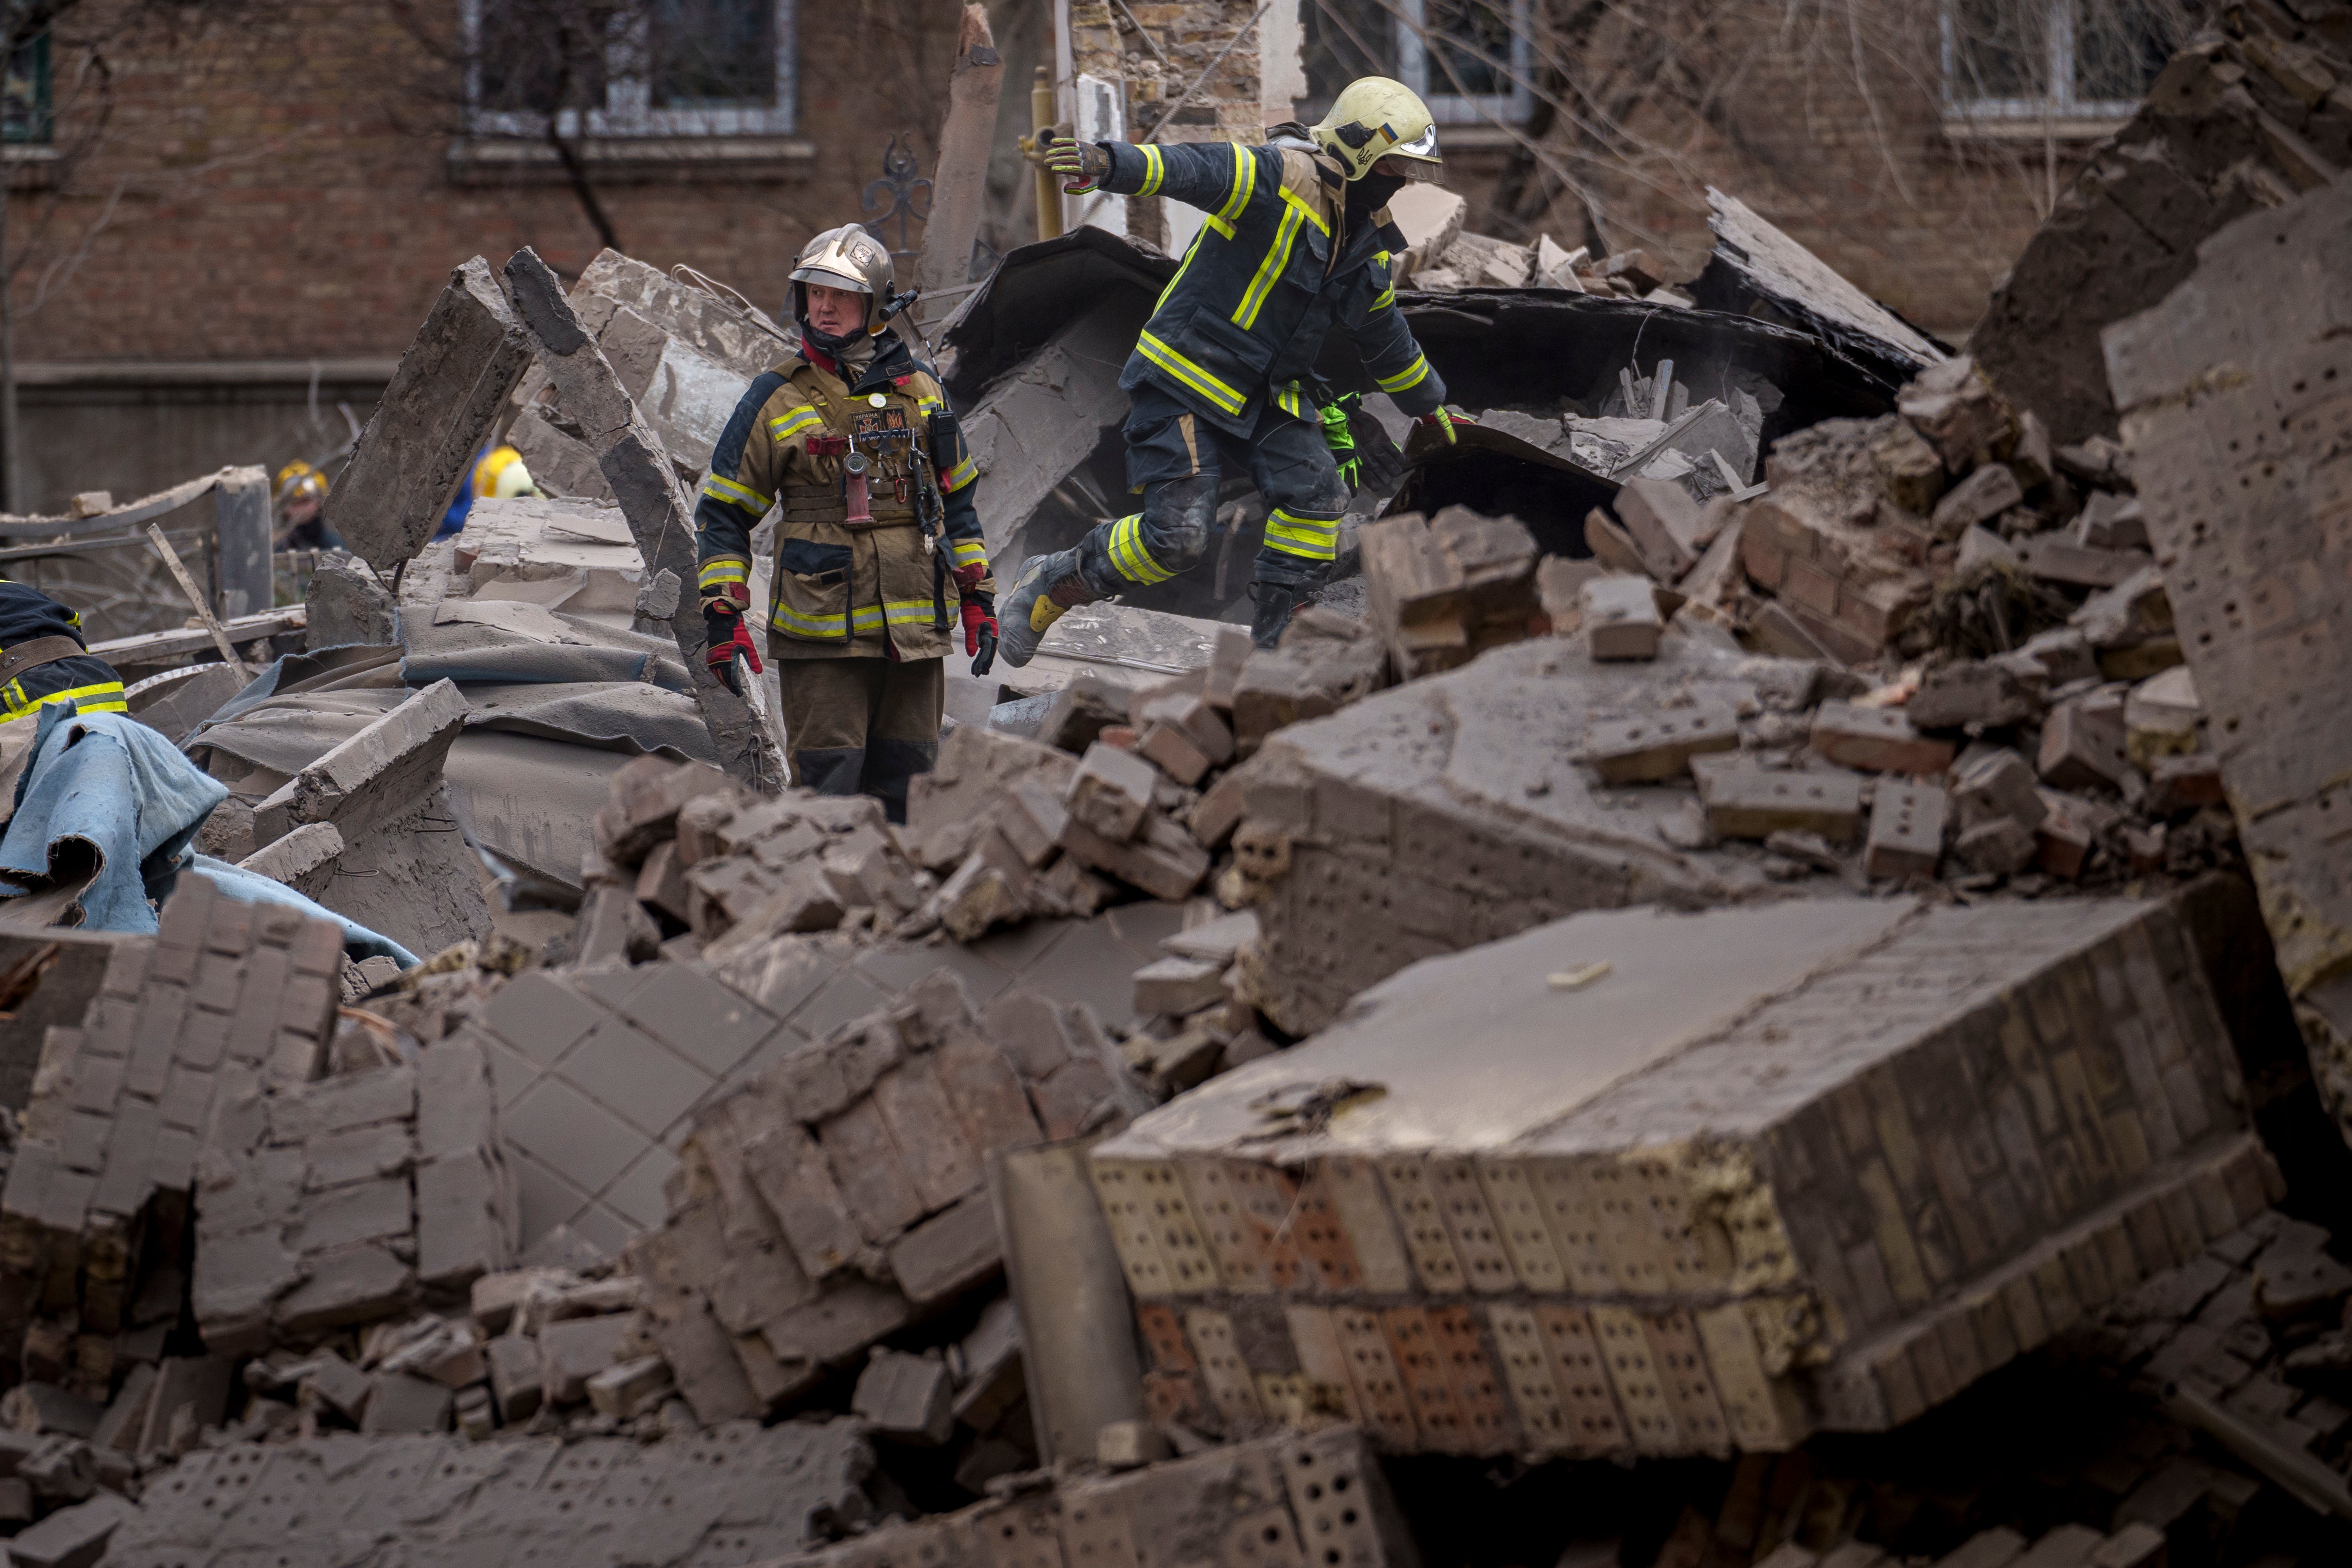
1757, 981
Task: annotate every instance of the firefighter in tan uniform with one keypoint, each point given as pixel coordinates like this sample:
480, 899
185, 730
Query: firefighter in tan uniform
879, 560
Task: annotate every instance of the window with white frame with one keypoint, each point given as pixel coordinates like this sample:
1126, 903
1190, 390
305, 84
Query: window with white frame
1469, 60
2031, 60
630, 67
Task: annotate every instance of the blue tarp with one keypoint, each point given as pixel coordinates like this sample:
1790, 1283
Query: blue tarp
104, 792
104, 787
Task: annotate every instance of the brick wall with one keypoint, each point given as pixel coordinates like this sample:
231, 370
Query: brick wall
286, 190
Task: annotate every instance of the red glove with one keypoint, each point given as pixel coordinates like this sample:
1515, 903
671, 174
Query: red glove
980, 630
729, 633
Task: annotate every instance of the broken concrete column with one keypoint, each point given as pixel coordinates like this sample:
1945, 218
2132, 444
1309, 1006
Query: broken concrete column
660, 515
443, 402
1747, 1210
375, 775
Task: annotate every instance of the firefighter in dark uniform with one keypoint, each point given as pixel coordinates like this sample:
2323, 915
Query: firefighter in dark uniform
879, 558
44, 659
1298, 240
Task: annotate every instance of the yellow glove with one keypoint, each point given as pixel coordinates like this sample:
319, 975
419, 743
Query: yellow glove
1080, 165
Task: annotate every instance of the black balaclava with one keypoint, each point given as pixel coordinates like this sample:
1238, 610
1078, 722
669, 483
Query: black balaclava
1370, 193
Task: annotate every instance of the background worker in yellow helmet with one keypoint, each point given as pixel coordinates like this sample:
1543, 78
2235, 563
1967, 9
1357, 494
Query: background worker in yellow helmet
1297, 241
299, 496
498, 473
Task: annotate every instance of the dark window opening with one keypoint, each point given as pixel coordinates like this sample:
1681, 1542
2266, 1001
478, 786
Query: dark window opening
25, 117
542, 56
2024, 57
2121, 45
1469, 47
709, 53
2001, 49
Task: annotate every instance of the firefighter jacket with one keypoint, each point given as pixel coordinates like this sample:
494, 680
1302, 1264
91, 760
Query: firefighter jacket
1272, 270
89, 683
847, 587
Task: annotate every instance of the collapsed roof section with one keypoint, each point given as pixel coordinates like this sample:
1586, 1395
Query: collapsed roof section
1756, 268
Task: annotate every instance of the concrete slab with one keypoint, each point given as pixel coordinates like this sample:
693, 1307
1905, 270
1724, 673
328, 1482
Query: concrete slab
1688, 1183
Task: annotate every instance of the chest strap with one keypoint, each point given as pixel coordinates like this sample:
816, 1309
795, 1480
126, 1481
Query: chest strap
33, 653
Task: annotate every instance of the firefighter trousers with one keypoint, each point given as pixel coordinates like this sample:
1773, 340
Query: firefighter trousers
1178, 460
862, 726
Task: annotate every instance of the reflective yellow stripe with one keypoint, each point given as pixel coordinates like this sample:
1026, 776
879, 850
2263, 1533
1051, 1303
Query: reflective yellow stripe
784, 426
1243, 171
1307, 211
1191, 374
1412, 375
903, 612
720, 570
812, 626
957, 477
107, 693
1222, 227
1317, 538
738, 494
1383, 299
1277, 260
1127, 555
1292, 402
969, 552
925, 405
1155, 169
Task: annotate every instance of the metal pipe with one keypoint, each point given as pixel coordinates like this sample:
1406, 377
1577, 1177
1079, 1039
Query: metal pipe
1041, 125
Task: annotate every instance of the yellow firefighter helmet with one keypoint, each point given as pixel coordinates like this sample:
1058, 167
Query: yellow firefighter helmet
299, 481
501, 476
1375, 118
